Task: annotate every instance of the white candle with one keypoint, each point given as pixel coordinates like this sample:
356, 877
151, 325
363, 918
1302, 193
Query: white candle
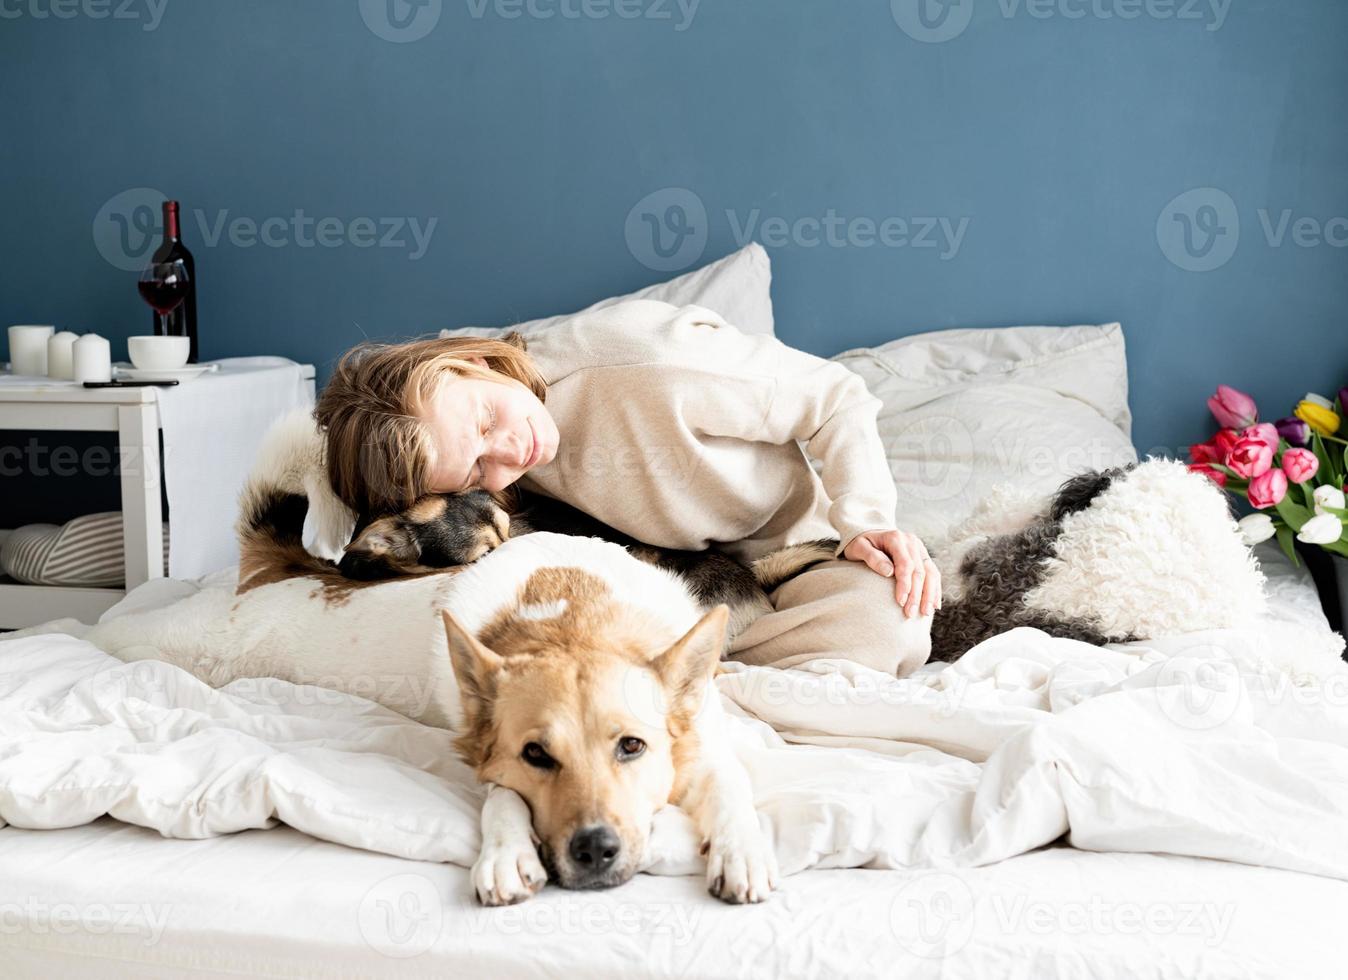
28, 349
93, 358
61, 356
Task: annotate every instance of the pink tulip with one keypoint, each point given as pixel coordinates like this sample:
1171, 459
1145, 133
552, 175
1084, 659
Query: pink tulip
1268, 489
1300, 465
1203, 469
1265, 432
1250, 458
1233, 409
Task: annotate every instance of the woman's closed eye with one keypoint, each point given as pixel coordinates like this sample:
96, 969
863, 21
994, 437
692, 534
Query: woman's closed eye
481, 466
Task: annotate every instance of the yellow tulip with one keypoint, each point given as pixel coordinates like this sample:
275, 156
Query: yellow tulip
1323, 420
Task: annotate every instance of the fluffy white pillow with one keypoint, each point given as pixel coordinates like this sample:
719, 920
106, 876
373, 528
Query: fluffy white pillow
737, 287
966, 410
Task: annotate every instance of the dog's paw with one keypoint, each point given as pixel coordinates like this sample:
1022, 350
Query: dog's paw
741, 865
508, 874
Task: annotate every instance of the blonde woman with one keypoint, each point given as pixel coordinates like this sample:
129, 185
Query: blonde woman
670, 425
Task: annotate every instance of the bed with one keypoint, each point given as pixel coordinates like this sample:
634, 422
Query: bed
1041, 808
111, 899
280, 904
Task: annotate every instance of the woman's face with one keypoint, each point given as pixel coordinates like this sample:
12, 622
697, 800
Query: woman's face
486, 434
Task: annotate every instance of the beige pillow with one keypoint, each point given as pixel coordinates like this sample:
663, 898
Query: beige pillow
738, 287
966, 410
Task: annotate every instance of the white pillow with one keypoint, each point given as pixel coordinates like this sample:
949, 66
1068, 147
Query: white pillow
965, 410
737, 287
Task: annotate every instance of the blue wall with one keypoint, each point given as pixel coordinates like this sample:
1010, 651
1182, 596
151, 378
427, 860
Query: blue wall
1060, 138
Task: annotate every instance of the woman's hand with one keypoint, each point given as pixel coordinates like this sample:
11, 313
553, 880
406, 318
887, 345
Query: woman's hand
917, 583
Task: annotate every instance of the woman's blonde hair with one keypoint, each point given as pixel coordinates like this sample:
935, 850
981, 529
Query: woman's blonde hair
378, 449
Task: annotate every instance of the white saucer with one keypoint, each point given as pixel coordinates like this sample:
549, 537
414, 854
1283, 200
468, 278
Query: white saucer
185, 373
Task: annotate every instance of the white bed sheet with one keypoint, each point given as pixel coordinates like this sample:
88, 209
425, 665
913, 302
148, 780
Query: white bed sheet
108, 900
113, 900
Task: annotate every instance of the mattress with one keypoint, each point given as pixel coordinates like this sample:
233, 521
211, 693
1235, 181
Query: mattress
109, 900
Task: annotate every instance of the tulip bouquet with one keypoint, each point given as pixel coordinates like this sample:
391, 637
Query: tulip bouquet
1291, 471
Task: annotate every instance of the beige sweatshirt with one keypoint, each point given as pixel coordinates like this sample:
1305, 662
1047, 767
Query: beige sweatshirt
681, 430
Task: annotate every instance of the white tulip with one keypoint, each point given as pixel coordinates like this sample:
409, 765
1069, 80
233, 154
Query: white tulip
1256, 528
1320, 400
1328, 496
1325, 529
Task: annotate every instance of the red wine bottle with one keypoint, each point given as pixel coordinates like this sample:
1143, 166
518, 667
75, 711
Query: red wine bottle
182, 322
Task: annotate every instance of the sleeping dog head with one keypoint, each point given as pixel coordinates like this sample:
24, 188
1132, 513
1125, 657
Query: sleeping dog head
438, 531
584, 707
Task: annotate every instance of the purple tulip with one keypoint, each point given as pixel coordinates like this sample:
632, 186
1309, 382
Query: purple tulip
1295, 431
1343, 400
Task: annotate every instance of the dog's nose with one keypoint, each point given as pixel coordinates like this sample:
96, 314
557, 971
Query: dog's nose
594, 849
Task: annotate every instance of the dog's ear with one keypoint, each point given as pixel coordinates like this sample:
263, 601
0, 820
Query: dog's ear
686, 667
383, 549
475, 666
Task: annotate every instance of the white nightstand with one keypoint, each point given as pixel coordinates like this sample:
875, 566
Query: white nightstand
133, 413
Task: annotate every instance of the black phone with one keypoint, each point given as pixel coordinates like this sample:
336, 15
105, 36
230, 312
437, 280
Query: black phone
127, 384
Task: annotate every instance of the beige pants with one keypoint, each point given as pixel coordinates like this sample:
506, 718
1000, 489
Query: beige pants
836, 610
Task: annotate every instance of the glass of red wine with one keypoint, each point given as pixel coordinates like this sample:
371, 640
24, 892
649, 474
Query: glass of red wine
164, 286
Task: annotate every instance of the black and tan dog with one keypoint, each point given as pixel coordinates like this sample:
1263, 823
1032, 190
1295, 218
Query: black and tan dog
444, 531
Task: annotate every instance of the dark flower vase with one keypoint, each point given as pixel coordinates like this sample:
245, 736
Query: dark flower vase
1331, 579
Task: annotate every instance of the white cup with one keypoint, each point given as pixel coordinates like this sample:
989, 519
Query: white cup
156, 352
92, 358
28, 349
61, 356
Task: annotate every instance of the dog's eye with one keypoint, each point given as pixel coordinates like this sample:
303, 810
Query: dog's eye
537, 756
630, 748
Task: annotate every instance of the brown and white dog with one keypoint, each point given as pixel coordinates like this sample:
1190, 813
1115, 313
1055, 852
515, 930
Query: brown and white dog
577, 674
587, 706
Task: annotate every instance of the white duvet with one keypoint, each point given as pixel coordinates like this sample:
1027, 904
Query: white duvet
1194, 746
